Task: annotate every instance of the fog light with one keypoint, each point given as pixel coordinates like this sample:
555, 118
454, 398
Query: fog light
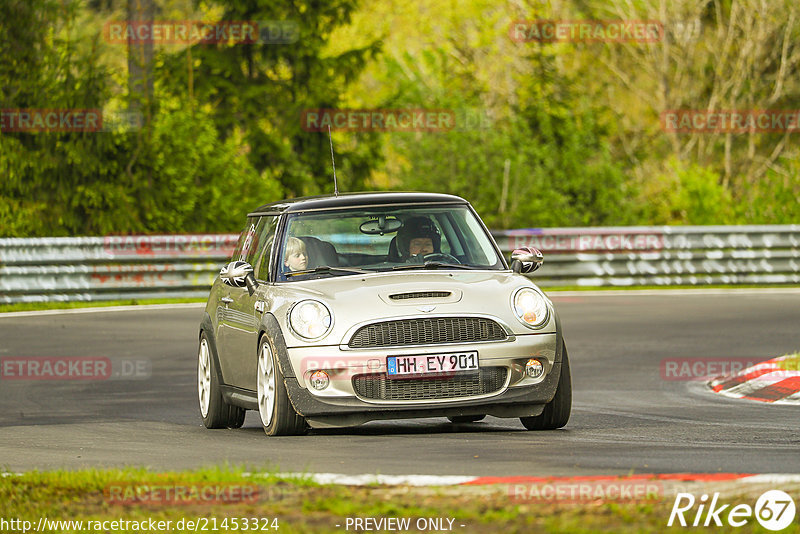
534, 368
320, 380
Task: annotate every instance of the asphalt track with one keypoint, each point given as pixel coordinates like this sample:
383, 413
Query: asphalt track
627, 418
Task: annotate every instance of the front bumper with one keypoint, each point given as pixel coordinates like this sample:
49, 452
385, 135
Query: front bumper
340, 405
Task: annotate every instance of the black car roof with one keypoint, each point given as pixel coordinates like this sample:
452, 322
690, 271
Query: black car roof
355, 199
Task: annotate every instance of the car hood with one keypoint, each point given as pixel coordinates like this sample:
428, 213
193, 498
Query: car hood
359, 299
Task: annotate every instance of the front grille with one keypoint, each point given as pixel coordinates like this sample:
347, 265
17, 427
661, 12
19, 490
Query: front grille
377, 386
427, 331
420, 295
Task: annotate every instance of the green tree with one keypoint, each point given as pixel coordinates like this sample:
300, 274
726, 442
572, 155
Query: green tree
261, 90
542, 160
173, 174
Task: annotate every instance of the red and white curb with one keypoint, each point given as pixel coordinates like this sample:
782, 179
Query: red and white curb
459, 480
445, 480
576, 489
766, 382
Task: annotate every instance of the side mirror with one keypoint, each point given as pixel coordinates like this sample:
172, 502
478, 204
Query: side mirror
526, 260
239, 274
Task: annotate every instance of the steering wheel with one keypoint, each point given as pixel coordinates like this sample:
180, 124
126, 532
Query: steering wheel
442, 257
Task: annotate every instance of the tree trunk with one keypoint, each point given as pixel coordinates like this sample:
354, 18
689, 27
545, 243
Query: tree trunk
140, 57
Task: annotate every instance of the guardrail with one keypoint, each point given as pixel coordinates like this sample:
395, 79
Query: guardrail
184, 266
663, 255
111, 268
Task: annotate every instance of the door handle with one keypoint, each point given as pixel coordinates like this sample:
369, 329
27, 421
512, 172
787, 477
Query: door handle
227, 300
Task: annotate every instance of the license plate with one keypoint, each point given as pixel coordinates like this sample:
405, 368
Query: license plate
425, 364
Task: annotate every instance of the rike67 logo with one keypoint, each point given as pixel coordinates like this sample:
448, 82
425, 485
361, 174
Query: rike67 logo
774, 510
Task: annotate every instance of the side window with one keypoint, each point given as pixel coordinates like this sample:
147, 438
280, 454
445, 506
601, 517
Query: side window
479, 251
237, 252
248, 242
265, 238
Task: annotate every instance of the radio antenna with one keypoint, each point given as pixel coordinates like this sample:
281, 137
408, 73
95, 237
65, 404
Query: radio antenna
333, 162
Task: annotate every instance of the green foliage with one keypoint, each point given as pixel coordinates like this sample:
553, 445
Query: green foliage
685, 193
774, 198
174, 174
560, 170
563, 134
263, 88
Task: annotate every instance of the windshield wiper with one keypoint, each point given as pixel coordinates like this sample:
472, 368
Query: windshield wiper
431, 265
329, 269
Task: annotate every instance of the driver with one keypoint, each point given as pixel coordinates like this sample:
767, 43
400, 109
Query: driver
417, 238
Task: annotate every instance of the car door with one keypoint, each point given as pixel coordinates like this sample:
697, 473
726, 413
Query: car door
227, 319
240, 339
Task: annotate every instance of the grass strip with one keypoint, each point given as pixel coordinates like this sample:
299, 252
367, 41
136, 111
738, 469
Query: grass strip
791, 362
303, 506
38, 306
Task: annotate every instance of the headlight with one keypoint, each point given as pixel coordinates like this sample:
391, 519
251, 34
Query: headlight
310, 319
530, 307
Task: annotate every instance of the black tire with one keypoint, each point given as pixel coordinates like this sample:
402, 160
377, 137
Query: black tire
281, 419
459, 419
236, 417
218, 413
556, 412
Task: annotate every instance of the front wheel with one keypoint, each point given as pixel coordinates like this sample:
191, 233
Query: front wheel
556, 412
278, 416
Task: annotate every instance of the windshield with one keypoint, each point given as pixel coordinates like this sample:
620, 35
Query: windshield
352, 241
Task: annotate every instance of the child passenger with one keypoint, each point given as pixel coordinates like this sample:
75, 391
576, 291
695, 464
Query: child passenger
295, 257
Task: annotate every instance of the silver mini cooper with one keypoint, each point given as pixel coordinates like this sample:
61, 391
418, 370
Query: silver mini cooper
344, 309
